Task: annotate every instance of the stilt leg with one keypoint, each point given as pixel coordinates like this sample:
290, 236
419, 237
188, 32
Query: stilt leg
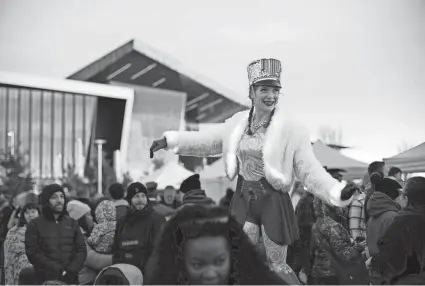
253, 231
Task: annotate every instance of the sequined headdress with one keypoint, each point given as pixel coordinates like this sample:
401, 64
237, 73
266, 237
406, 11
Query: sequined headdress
264, 70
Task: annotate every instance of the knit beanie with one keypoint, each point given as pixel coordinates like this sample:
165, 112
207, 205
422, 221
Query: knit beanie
31, 198
77, 209
134, 189
191, 183
48, 192
389, 187
197, 197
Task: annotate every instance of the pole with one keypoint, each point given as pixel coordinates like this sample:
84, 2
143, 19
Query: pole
11, 134
99, 143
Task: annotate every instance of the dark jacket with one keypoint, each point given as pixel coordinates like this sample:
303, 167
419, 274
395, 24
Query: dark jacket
402, 249
54, 246
121, 207
135, 236
382, 210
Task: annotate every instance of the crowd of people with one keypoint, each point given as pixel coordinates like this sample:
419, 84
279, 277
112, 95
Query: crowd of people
338, 232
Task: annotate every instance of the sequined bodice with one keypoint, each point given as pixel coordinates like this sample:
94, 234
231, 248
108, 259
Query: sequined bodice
250, 156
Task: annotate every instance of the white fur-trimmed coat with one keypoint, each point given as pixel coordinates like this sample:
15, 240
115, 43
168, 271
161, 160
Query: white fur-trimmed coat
287, 153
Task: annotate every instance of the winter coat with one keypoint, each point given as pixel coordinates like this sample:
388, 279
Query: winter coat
402, 249
54, 246
135, 237
15, 258
301, 247
329, 234
382, 210
121, 209
102, 236
287, 153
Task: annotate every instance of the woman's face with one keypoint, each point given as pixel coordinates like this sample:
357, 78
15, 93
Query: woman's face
207, 260
30, 214
265, 98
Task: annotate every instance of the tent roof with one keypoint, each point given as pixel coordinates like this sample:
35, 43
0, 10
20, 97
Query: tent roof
332, 159
172, 174
410, 161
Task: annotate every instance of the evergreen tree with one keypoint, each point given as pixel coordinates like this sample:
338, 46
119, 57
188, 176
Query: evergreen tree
15, 174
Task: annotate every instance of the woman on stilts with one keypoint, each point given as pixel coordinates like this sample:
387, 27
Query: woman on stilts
266, 151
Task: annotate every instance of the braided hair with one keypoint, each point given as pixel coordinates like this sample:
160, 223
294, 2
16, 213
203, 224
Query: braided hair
251, 114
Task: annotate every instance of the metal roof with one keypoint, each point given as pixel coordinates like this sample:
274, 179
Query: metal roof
139, 64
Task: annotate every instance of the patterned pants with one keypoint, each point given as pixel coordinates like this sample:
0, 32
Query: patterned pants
276, 254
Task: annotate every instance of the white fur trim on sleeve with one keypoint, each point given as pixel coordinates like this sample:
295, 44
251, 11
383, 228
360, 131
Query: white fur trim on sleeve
335, 196
172, 138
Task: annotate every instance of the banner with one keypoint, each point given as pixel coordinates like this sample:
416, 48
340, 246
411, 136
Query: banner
154, 112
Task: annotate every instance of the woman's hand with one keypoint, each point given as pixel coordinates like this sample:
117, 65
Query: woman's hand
158, 145
348, 191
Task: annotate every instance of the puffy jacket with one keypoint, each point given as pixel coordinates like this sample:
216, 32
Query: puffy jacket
135, 236
54, 246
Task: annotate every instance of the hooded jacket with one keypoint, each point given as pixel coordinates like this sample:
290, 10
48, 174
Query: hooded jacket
55, 245
382, 210
402, 248
102, 236
120, 274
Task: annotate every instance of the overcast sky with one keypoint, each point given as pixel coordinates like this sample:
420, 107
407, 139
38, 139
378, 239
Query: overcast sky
357, 65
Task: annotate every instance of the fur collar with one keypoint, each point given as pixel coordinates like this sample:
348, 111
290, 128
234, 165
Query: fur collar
275, 139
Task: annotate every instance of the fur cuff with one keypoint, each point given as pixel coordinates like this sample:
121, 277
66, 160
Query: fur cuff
335, 196
172, 138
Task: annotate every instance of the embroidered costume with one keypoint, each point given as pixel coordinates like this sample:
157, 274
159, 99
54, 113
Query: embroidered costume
266, 164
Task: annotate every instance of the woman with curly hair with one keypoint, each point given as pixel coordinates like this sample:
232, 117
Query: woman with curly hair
205, 246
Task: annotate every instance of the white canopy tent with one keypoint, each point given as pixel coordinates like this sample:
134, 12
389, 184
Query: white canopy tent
172, 174
410, 161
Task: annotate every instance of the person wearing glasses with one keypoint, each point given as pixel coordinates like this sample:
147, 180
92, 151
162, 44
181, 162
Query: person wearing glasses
265, 151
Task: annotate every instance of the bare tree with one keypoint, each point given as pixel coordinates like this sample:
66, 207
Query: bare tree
404, 146
331, 135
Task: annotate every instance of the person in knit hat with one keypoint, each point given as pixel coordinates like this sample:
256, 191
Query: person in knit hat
54, 243
116, 193
136, 234
197, 197
190, 183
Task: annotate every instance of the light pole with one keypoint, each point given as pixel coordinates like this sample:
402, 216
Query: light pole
11, 134
99, 143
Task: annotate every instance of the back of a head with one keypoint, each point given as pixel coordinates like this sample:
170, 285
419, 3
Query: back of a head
394, 171
389, 187
116, 191
415, 191
376, 171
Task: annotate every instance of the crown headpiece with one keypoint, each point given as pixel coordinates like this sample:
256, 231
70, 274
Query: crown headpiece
264, 69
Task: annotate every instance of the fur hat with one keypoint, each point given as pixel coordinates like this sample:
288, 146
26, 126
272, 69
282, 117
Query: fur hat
77, 209
389, 187
48, 192
134, 189
191, 183
197, 197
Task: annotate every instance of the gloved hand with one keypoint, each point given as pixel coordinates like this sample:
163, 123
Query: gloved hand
348, 191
